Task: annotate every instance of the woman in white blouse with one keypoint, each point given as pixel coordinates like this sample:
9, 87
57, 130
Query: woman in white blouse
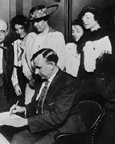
20, 25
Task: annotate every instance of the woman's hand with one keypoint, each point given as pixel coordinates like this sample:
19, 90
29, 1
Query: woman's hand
31, 81
18, 90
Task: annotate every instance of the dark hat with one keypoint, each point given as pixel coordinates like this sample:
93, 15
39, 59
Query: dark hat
40, 12
92, 9
77, 22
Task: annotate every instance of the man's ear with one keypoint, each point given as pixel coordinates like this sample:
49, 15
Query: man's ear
7, 31
52, 65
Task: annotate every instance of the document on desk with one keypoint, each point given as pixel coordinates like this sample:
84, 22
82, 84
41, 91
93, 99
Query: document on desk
6, 115
3, 140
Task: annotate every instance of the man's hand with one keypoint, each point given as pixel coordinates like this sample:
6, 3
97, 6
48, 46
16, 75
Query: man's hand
17, 109
15, 122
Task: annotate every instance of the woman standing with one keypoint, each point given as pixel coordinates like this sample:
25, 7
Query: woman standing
97, 69
72, 54
20, 25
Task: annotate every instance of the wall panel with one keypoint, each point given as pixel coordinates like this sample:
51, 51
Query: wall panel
19, 7
60, 20
4, 10
12, 8
77, 5
27, 4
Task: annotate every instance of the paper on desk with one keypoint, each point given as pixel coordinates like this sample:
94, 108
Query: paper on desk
3, 140
6, 115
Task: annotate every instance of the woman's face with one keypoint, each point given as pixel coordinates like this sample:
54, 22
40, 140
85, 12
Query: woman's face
88, 20
77, 32
40, 25
20, 31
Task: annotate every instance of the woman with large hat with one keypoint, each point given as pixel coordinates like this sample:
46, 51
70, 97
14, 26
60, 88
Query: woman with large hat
43, 37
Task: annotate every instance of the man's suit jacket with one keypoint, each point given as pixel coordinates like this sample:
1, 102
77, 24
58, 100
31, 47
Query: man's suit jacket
8, 62
60, 112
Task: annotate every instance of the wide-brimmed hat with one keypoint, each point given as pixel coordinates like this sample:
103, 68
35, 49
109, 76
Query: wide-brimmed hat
40, 12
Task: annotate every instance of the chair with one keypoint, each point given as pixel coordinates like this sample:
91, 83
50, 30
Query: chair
92, 112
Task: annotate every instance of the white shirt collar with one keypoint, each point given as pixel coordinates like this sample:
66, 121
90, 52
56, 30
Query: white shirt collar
52, 77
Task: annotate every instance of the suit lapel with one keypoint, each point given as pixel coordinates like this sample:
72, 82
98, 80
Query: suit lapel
36, 91
54, 85
52, 88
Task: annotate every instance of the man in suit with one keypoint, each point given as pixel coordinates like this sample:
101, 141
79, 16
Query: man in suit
57, 113
6, 66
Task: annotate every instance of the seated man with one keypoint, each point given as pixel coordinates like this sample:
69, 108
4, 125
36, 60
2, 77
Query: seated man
53, 107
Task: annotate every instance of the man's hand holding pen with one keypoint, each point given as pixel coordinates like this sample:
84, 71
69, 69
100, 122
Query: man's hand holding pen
17, 109
16, 121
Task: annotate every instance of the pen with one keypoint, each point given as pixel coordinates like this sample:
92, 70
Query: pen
17, 103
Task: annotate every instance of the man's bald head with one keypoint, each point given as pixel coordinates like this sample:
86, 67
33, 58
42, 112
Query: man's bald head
3, 25
3, 31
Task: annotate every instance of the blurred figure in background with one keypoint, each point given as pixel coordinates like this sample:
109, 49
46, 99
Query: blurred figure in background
6, 67
20, 25
44, 37
72, 54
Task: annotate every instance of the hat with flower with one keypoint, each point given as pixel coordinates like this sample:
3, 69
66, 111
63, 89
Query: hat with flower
40, 12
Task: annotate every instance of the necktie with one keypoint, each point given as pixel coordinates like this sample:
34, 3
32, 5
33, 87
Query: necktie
42, 97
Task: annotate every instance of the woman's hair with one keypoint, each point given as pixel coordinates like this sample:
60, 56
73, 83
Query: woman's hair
78, 22
92, 9
20, 20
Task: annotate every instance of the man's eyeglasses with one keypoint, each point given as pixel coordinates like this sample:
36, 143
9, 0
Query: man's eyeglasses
2, 32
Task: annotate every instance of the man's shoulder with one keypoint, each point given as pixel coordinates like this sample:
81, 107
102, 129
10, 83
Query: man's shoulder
65, 77
70, 78
8, 46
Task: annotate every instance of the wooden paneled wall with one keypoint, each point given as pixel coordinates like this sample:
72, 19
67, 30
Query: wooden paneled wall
60, 20
77, 5
11, 8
